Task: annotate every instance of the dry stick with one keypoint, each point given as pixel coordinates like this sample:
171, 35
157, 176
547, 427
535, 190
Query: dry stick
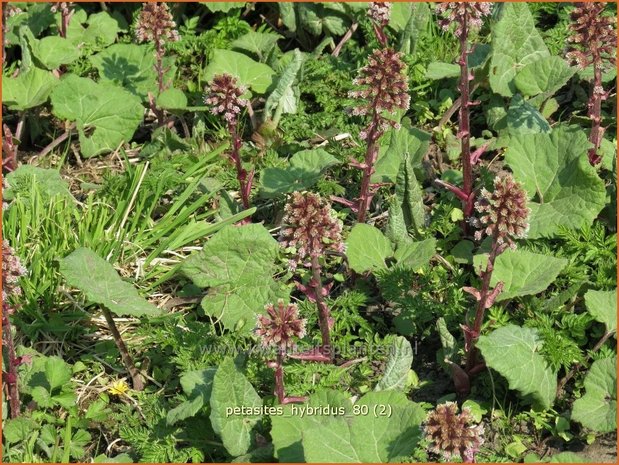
323, 309
346, 38
577, 366
56, 142
136, 377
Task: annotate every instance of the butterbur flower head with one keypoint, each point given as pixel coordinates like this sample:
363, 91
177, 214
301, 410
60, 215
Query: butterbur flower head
380, 12
63, 7
155, 24
280, 325
594, 35
223, 95
12, 270
384, 84
453, 434
465, 15
310, 227
503, 212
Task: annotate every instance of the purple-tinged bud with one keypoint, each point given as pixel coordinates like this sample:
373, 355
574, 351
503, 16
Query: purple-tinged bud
311, 227
224, 97
594, 35
155, 24
380, 12
453, 434
504, 212
462, 13
280, 325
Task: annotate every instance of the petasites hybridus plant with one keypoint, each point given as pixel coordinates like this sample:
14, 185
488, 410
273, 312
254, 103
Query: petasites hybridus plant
452, 434
379, 13
504, 217
465, 16
155, 25
311, 229
384, 90
595, 44
12, 270
224, 96
279, 328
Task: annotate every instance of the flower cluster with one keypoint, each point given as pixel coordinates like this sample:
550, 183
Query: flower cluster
453, 434
465, 15
385, 85
595, 35
380, 12
63, 7
504, 211
311, 227
224, 96
155, 24
12, 270
280, 325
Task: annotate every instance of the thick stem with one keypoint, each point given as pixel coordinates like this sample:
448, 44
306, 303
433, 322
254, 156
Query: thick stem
12, 373
279, 376
323, 308
484, 293
371, 154
464, 123
136, 377
595, 112
244, 179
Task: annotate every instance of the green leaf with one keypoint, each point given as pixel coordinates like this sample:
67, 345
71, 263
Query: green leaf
602, 305
398, 365
42, 397
105, 115
197, 386
53, 51
597, 409
525, 273
303, 171
257, 76
287, 429
367, 248
514, 352
515, 44
98, 280
57, 372
18, 429
402, 141
280, 98
544, 76
440, 70
27, 90
523, 118
49, 183
129, 66
371, 438
231, 389
409, 208
416, 17
323, 18
237, 264
256, 43
414, 255
101, 30
223, 7
554, 169
567, 457
172, 99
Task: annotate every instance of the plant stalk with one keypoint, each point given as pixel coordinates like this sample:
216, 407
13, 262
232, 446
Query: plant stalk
245, 179
595, 113
13, 363
136, 377
465, 125
323, 309
371, 155
279, 376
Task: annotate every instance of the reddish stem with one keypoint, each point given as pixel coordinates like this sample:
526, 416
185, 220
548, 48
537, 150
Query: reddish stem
323, 309
245, 179
595, 112
371, 155
482, 303
464, 123
279, 376
12, 378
